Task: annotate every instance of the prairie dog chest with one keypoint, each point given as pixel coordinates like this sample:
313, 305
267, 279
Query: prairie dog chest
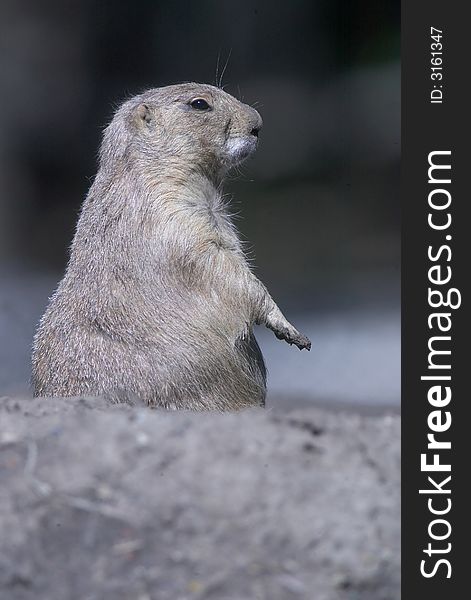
212, 223
223, 229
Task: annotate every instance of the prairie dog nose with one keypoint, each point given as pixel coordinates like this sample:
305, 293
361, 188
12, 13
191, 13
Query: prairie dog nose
256, 123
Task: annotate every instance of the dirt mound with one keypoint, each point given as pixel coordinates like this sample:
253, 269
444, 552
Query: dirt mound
111, 503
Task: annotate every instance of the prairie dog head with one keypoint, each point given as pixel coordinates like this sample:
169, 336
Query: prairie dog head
190, 125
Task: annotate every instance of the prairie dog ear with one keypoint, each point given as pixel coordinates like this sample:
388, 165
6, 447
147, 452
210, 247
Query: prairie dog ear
144, 114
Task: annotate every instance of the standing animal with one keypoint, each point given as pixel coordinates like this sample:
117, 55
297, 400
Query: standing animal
158, 301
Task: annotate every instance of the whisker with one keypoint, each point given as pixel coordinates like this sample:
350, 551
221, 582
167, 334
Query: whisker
217, 69
224, 69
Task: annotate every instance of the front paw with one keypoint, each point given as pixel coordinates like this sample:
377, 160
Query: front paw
292, 336
302, 342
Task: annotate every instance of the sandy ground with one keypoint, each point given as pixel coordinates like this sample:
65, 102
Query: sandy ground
101, 503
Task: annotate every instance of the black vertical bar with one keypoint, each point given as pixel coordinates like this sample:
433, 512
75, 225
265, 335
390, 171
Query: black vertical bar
427, 127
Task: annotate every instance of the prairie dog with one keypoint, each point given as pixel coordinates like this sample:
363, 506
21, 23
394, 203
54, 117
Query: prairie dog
158, 301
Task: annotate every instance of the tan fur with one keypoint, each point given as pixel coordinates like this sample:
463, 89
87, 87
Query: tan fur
158, 302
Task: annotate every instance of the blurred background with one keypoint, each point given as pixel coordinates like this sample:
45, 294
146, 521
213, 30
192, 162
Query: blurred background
318, 203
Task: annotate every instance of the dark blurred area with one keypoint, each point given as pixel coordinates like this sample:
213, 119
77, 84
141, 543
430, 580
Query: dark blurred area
319, 202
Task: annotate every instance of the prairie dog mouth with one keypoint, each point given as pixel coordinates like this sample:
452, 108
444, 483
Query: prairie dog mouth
239, 148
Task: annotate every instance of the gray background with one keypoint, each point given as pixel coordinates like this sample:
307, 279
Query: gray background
318, 203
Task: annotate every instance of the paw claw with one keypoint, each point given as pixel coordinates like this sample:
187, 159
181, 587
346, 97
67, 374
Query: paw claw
292, 336
303, 343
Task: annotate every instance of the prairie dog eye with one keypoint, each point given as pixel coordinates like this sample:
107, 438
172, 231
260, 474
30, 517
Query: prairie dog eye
199, 104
